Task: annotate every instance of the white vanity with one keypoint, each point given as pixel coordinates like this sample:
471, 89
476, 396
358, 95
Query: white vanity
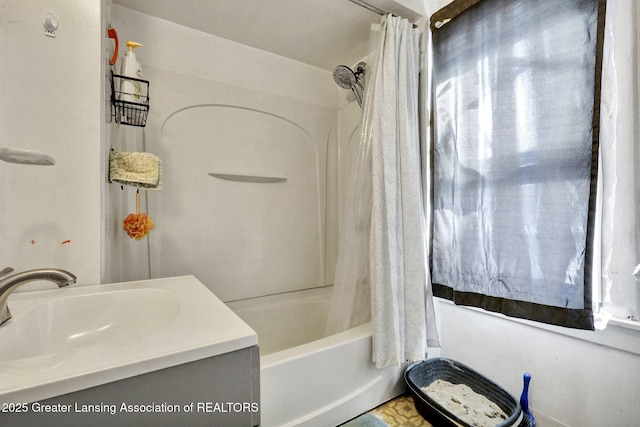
154, 352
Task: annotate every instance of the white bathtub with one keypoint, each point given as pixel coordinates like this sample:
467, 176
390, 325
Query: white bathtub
307, 379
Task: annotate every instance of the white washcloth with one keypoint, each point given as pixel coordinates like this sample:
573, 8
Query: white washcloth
137, 169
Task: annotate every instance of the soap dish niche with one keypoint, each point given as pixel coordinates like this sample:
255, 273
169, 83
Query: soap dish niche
129, 100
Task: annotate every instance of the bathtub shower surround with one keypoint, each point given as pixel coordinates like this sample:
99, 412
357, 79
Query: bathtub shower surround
235, 112
243, 203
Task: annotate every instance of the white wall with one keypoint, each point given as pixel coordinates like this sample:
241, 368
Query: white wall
172, 47
242, 241
580, 378
51, 102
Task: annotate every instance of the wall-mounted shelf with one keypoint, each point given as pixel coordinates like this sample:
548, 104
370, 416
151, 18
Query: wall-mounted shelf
25, 157
248, 178
129, 106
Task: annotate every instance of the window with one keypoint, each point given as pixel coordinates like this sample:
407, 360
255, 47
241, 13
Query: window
516, 93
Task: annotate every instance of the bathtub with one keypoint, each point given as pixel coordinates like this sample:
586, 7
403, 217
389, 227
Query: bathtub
307, 379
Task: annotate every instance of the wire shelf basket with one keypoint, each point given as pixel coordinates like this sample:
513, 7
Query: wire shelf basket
129, 100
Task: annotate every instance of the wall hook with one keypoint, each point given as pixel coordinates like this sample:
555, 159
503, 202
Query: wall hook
50, 24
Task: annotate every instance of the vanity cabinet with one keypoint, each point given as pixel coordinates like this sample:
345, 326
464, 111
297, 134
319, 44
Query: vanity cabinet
217, 391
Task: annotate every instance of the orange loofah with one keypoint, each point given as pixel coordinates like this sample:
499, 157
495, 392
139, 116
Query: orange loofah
138, 225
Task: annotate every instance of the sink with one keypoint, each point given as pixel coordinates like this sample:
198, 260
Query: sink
61, 341
68, 323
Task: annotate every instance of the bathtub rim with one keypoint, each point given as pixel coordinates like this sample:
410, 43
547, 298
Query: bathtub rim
276, 300
354, 334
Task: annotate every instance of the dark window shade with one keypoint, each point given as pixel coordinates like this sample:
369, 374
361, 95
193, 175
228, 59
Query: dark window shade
516, 94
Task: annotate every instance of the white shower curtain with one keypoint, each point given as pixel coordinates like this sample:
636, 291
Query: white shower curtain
401, 305
382, 271
351, 302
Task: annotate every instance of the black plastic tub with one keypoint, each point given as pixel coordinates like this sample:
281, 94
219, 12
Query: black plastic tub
421, 374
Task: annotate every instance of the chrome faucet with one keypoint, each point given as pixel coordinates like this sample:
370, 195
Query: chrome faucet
10, 282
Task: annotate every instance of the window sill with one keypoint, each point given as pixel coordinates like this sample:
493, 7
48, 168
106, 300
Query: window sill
623, 335
622, 323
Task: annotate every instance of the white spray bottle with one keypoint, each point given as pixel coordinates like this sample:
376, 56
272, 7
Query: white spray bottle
130, 90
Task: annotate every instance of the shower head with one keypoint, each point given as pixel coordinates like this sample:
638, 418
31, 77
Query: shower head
345, 77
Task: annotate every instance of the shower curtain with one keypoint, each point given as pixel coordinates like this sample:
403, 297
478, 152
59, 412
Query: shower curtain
383, 245
620, 157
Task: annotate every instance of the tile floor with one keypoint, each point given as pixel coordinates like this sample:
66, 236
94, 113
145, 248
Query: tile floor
400, 412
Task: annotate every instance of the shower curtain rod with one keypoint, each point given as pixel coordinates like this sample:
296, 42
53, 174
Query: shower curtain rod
374, 9
369, 7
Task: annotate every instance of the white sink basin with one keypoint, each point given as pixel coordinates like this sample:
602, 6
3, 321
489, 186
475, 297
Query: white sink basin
70, 322
64, 340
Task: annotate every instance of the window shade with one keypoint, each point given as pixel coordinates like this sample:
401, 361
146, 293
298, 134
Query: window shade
516, 93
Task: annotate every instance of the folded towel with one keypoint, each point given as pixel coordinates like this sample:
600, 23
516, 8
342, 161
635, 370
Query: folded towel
137, 169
